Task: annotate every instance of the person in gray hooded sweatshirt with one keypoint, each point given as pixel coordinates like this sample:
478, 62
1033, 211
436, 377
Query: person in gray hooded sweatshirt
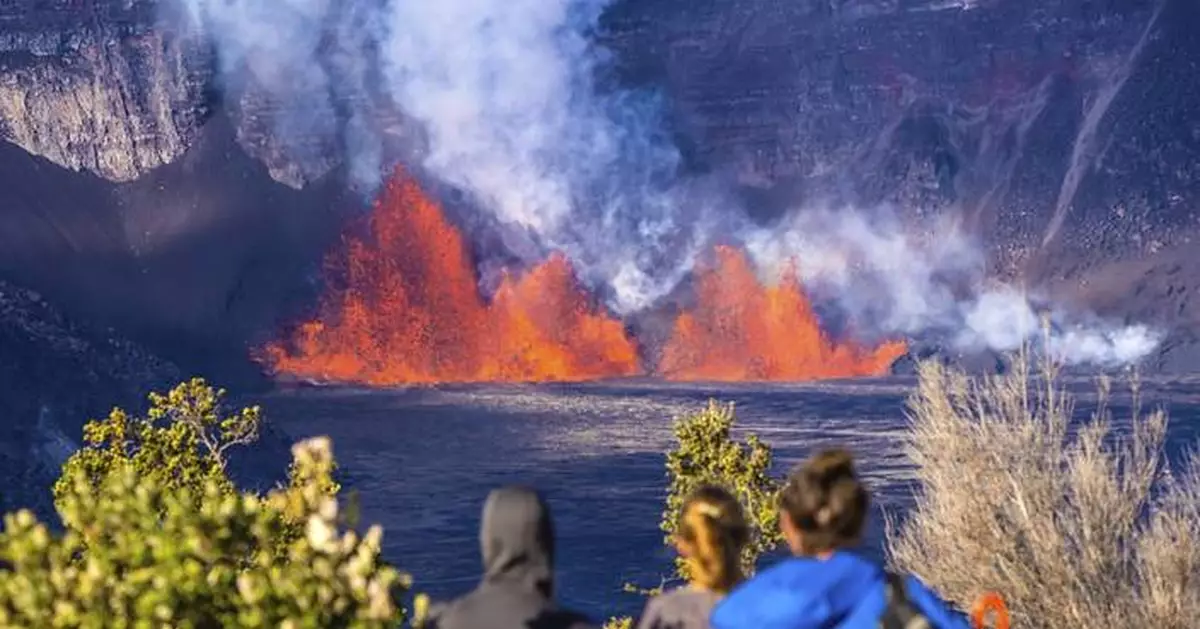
517, 590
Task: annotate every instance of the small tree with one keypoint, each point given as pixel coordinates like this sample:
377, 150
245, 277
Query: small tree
706, 452
182, 444
182, 441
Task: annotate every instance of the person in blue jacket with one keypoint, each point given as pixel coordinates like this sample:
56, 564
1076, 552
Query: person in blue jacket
823, 509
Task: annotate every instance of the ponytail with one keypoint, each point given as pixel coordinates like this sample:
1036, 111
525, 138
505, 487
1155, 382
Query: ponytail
713, 525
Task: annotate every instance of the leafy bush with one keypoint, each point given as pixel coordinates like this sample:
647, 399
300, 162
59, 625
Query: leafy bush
1073, 526
162, 557
182, 441
157, 535
706, 452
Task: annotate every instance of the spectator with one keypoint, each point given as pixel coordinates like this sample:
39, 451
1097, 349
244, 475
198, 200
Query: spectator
517, 589
825, 586
711, 533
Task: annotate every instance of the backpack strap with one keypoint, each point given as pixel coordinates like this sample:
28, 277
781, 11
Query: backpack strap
898, 611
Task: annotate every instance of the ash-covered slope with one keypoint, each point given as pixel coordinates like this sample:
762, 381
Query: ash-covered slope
55, 374
194, 258
1064, 133
142, 193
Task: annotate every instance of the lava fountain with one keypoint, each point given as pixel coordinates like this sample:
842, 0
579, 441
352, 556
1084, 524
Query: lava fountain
741, 329
408, 310
405, 308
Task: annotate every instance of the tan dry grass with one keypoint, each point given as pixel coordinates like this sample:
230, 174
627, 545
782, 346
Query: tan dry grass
1075, 528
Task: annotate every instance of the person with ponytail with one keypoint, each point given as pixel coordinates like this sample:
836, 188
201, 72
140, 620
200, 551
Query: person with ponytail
823, 510
710, 535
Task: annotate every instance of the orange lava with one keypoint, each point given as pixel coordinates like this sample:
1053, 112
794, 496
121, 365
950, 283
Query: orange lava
409, 312
741, 330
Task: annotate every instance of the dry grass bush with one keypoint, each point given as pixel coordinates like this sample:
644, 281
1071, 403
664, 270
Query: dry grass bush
1075, 525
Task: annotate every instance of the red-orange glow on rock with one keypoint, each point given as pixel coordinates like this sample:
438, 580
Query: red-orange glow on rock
743, 330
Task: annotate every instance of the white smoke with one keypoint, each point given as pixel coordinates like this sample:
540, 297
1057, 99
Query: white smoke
894, 279
505, 91
308, 60
873, 267
506, 95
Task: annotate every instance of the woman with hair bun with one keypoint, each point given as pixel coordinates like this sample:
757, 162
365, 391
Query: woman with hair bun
823, 510
711, 533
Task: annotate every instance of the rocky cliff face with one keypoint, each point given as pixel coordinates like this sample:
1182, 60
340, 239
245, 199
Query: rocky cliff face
118, 88
1011, 111
1064, 133
1015, 111
96, 86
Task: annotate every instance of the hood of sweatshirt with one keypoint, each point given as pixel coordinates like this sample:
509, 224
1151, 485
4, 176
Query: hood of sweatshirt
517, 540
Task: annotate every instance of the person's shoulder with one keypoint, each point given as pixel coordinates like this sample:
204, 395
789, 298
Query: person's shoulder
688, 599
779, 579
785, 570
808, 572
436, 614
780, 596
453, 613
651, 611
683, 607
657, 606
798, 593
940, 613
681, 595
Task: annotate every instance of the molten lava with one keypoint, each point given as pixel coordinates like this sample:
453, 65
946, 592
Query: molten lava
743, 330
409, 311
406, 308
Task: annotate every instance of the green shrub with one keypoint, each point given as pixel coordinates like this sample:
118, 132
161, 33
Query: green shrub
182, 443
706, 452
158, 536
157, 556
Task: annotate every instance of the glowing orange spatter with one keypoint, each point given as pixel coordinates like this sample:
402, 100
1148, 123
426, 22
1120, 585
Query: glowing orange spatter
743, 330
409, 311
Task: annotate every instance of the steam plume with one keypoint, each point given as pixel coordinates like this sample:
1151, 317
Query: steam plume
888, 278
310, 61
505, 90
506, 94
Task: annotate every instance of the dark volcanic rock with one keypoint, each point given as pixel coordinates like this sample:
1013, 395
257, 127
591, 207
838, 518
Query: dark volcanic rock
974, 362
54, 376
197, 259
95, 86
